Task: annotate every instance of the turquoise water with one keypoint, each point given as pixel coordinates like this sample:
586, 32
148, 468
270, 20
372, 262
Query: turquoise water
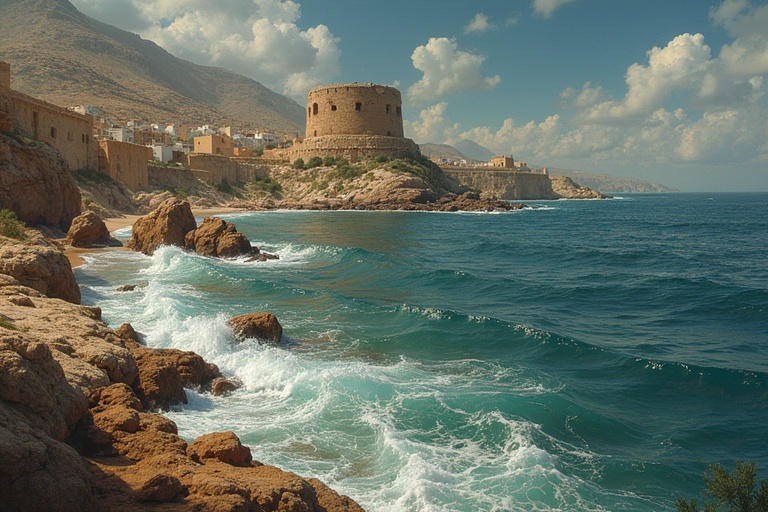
580, 355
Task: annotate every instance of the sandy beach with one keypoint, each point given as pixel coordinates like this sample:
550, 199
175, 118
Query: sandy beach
75, 254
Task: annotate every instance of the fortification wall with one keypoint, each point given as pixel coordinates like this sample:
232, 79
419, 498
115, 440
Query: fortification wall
217, 168
354, 109
69, 132
353, 148
506, 185
174, 177
126, 163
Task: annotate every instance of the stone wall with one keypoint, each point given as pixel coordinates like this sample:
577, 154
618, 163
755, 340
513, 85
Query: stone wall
69, 132
507, 185
175, 177
354, 109
353, 148
213, 169
124, 162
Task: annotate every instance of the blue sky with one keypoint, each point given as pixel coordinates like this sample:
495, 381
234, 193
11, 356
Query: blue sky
667, 90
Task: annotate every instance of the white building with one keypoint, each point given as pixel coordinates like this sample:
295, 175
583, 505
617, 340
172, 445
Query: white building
121, 134
162, 152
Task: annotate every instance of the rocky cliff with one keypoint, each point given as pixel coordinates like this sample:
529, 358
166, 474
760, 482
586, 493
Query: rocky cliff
518, 186
76, 432
36, 184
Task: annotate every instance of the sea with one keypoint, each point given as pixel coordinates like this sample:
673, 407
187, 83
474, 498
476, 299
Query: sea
576, 355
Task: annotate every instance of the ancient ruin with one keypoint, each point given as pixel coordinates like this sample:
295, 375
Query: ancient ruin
353, 121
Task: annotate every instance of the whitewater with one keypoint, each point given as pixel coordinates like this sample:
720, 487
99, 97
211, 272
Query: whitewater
574, 355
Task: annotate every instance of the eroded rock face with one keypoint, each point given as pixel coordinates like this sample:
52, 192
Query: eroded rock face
219, 238
39, 264
163, 374
168, 224
88, 229
566, 188
263, 326
222, 446
36, 184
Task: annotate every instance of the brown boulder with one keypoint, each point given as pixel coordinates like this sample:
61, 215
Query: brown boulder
263, 326
35, 183
39, 264
168, 224
88, 229
163, 374
223, 446
219, 238
223, 387
159, 383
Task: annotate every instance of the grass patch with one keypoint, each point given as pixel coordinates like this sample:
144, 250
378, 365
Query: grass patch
7, 324
11, 226
267, 185
91, 176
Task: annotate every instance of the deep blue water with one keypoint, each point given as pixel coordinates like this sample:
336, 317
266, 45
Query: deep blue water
579, 355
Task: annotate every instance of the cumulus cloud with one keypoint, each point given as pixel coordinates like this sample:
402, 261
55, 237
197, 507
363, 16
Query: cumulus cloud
431, 125
480, 23
545, 8
260, 39
447, 70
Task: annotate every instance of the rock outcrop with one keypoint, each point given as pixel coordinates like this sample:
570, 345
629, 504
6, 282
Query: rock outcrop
566, 188
262, 326
168, 224
87, 230
172, 223
219, 238
74, 435
35, 183
39, 264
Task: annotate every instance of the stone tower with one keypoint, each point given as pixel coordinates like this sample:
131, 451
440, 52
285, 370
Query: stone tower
354, 109
354, 121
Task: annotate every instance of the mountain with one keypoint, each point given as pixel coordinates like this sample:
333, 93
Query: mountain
61, 55
431, 150
473, 150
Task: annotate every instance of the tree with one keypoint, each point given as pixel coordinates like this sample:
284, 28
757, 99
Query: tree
733, 492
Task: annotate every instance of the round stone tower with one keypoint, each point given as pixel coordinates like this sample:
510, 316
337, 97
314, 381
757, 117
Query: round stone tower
354, 109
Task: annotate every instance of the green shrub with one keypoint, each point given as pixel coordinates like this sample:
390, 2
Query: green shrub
8, 324
225, 186
267, 185
299, 163
11, 226
733, 492
259, 152
381, 159
346, 172
329, 161
180, 192
91, 176
315, 161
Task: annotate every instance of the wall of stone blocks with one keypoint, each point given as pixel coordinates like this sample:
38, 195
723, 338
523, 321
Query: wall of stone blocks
218, 167
354, 109
353, 148
506, 185
126, 163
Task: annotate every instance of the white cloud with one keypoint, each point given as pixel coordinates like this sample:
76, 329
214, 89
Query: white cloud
480, 23
446, 70
545, 8
260, 39
431, 126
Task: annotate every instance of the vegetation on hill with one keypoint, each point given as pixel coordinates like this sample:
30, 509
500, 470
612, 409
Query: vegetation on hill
11, 226
60, 55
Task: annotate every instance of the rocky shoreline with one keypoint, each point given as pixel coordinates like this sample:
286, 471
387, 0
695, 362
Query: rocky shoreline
80, 427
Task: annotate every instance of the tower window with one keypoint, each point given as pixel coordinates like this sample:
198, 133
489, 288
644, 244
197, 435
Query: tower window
399, 112
53, 132
314, 109
309, 111
389, 108
333, 108
358, 106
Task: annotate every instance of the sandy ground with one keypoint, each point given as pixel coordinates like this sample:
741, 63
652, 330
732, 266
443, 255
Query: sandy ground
75, 254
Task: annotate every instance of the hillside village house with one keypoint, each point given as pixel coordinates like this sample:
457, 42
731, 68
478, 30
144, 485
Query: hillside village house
221, 145
71, 133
